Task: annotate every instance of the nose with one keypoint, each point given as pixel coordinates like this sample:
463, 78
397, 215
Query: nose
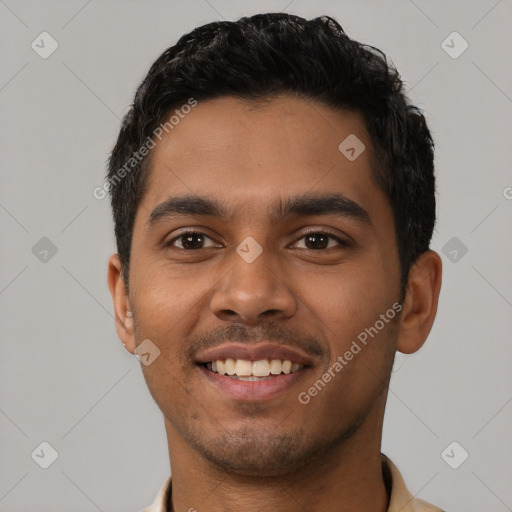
252, 292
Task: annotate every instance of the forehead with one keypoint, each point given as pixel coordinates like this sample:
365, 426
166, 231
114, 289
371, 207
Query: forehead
242, 153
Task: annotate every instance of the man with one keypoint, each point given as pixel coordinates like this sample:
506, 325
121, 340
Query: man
273, 199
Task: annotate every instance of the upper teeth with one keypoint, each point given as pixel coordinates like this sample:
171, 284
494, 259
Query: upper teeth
261, 368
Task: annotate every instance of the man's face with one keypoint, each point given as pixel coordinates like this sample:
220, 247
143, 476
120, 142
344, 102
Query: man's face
309, 295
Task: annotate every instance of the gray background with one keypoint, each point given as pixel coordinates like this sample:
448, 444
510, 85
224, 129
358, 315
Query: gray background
65, 377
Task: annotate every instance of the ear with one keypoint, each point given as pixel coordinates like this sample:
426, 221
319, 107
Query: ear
122, 309
420, 303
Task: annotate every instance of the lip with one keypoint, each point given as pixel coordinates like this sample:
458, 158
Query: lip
255, 390
253, 353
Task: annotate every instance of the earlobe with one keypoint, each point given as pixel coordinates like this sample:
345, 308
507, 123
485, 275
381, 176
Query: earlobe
420, 304
122, 309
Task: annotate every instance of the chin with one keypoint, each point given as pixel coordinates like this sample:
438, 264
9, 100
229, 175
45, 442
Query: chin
256, 457
257, 453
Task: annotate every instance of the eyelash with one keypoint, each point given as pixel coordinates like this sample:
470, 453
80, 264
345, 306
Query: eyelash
341, 242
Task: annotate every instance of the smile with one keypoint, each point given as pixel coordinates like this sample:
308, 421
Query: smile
251, 371
251, 381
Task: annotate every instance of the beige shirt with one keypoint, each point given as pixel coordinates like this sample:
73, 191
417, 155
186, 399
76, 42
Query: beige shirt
401, 499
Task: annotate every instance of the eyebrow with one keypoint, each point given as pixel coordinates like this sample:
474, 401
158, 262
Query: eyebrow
304, 205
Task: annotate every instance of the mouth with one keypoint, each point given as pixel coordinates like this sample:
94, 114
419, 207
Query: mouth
248, 372
252, 371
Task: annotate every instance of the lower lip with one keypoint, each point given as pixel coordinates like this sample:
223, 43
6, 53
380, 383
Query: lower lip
253, 390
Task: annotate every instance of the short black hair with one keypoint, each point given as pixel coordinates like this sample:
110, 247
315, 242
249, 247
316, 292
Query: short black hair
267, 55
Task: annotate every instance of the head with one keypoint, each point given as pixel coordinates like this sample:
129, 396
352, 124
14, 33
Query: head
252, 116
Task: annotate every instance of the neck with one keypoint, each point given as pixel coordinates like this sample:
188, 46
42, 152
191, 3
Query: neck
348, 478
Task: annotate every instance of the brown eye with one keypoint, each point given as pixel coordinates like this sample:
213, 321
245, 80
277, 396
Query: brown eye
189, 240
318, 240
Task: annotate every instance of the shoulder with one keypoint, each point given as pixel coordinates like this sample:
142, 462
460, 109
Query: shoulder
162, 498
402, 500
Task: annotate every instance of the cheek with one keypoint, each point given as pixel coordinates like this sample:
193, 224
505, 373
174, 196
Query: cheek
164, 296
165, 308
361, 343
168, 306
353, 297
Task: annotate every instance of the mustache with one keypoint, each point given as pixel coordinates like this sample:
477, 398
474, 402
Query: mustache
270, 332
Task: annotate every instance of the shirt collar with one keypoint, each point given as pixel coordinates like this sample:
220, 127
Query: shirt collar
401, 500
